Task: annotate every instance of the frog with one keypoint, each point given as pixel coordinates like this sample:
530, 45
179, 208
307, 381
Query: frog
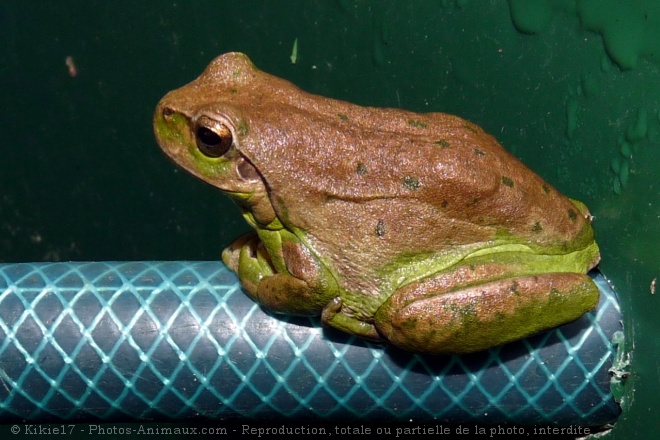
415, 230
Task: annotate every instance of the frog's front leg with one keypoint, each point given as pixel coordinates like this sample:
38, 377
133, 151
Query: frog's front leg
427, 317
279, 272
249, 259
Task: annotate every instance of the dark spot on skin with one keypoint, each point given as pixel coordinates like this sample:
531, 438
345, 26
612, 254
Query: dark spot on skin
233, 91
409, 324
515, 288
537, 227
478, 152
444, 204
342, 116
500, 317
471, 128
443, 143
572, 215
242, 128
361, 169
280, 201
411, 183
415, 123
473, 202
507, 181
380, 228
546, 188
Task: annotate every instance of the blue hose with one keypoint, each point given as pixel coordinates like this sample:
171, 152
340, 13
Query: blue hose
178, 340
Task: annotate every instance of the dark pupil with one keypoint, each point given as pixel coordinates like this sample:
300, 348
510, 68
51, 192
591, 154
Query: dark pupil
208, 137
210, 143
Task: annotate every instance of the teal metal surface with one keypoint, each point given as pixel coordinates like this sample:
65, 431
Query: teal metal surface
179, 340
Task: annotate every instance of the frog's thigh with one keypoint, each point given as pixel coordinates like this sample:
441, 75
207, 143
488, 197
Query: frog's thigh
284, 293
483, 316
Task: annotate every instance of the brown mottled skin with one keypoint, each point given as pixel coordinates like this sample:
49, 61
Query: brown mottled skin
396, 225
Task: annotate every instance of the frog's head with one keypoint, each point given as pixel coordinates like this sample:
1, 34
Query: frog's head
201, 128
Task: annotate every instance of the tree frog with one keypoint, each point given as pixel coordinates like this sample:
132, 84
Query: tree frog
419, 230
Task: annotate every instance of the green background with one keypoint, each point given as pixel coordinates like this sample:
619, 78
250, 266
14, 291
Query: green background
570, 87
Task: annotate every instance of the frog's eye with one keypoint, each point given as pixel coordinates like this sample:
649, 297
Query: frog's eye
213, 138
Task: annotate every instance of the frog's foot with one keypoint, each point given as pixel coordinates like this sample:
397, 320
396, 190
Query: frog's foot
481, 316
249, 259
277, 290
332, 316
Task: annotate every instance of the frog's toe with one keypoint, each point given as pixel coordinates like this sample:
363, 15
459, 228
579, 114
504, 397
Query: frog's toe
231, 255
332, 317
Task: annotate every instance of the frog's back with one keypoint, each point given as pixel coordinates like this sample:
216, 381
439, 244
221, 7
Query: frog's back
430, 165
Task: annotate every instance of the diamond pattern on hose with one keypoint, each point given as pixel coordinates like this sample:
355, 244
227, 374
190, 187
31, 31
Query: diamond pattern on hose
174, 340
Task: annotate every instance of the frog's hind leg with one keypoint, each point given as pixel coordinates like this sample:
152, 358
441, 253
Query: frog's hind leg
424, 317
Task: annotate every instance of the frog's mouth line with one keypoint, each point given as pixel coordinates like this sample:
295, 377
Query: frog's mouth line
238, 195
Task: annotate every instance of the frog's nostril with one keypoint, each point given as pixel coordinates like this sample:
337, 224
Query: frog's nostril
167, 112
